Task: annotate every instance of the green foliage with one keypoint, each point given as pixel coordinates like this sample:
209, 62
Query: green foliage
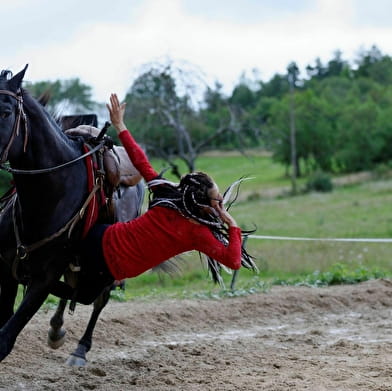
342, 112
342, 116
163, 118
276, 88
72, 91
372, 64
338, 274
254, 285
335, 67
314, 132
360, 142
242, 96
319, 181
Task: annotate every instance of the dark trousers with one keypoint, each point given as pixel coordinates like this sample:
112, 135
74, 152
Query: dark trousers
94, 275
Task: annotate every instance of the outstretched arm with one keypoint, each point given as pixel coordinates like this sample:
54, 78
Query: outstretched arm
134, 151
229, 255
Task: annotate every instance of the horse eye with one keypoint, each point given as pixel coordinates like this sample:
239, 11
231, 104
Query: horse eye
5, 114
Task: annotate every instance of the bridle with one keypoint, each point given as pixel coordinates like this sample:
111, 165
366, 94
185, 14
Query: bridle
20, 117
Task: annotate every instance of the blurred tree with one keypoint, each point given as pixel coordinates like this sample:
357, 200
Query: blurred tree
335, 67
317, 71
242, 96
72, 93
335, 112
277, 87
236, 116
374, 65
162, 112
315, 135
217, 117
358, 139
292, 77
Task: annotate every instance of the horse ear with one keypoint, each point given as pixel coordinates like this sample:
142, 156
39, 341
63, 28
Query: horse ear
16, 82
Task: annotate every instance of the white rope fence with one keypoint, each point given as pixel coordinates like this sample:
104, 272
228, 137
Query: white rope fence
363, 240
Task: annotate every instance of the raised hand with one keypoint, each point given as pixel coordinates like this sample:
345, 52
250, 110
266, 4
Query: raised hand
116, 112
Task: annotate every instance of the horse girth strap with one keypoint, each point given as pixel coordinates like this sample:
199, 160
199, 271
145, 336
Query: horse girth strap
23, 251
20, 116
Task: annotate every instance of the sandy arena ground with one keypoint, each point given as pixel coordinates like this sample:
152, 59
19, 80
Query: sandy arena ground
291, 338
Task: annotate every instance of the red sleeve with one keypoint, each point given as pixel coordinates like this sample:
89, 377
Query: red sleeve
229, 255
137, 156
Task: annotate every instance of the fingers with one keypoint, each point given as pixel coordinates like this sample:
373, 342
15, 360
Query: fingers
114, 100
116, 112
225, 216
221, 211
220, 207
115, 104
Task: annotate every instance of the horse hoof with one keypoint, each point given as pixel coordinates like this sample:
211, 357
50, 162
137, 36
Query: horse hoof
74, 361
56, 340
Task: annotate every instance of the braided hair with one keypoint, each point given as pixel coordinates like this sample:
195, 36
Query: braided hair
191, 198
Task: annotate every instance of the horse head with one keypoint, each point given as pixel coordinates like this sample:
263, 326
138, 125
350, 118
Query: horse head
11, 112
13, 83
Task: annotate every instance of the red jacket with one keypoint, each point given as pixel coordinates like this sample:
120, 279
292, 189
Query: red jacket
130, 248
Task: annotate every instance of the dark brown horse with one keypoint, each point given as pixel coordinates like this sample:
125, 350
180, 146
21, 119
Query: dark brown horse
43, 220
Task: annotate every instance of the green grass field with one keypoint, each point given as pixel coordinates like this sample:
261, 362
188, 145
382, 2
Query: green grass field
360, 211
225, 168
356, 211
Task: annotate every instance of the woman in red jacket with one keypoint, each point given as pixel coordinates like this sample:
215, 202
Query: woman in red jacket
181, 217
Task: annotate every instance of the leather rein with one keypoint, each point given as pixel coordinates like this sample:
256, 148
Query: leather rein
22, 251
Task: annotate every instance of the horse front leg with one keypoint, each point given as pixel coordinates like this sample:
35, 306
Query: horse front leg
78, 356
56, 333
36, 294
8, 292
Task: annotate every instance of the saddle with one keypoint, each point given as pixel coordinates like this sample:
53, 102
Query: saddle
119, 169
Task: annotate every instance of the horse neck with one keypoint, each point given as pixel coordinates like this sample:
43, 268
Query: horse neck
47, 146
49, 199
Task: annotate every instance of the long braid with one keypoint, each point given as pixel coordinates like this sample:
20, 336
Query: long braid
189, 202
189, 197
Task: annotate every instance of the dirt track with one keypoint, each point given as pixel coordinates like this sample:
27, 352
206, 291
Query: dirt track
291, 338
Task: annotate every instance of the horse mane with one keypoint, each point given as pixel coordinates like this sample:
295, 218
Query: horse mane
35, 107
44, 98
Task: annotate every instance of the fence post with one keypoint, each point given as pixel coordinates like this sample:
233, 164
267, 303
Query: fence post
236, 272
